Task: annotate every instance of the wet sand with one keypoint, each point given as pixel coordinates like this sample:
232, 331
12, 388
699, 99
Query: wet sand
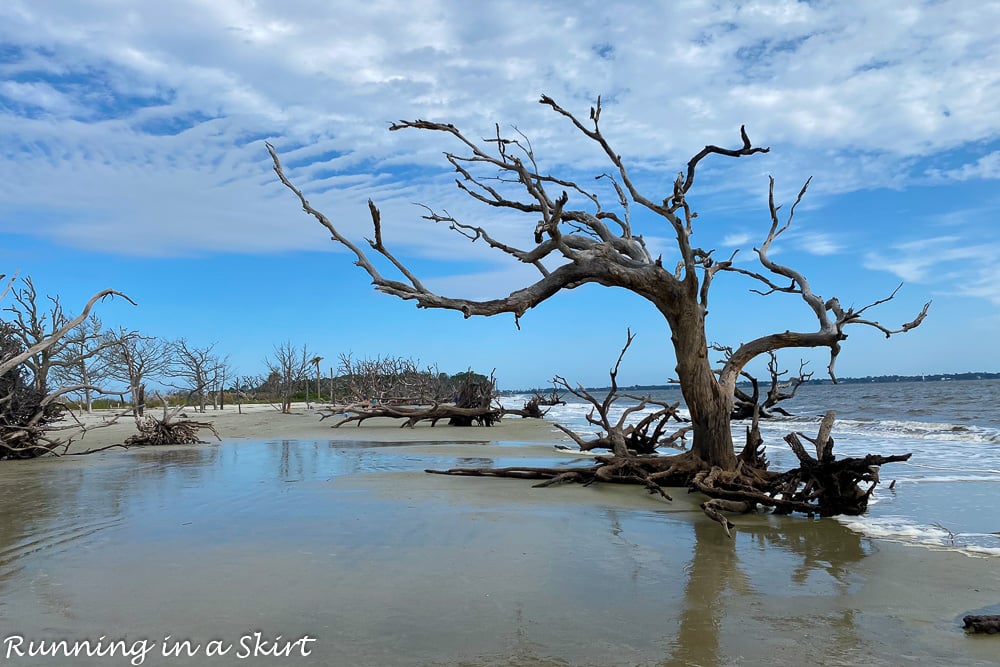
340, 538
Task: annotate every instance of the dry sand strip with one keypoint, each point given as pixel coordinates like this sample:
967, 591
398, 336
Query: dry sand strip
265, 422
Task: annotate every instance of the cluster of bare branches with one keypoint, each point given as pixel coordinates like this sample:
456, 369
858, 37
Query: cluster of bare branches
33, 343
473, 402
623, 436
168, 429
288, 368
201, 369
753, 405
533, 406
399, 381
391, 379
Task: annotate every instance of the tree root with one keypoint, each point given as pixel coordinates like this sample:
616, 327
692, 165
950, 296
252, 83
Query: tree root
820, 486
154, 431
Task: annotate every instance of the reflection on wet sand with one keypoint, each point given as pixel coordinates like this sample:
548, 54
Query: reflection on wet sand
352, 544
717, 576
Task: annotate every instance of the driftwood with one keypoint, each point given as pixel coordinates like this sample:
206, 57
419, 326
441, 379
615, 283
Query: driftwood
168, 430
820, 486
474, 404
619, 436
984, 624
414, 414
749, 405
533, 406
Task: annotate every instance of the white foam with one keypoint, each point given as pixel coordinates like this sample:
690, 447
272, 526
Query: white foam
906, 531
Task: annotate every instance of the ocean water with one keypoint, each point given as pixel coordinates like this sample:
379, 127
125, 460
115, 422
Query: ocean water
944, 497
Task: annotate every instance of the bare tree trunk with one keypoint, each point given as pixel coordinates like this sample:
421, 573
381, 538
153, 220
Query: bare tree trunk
88, 397
709, 403
138, 399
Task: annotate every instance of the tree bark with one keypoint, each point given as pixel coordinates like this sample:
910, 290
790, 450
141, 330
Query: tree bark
709, 402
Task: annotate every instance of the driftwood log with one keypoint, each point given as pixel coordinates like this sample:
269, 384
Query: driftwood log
412, 415
982, 624
474, 405
533, 406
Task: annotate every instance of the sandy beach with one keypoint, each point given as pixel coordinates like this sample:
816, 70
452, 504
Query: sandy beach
337, 539
263, 421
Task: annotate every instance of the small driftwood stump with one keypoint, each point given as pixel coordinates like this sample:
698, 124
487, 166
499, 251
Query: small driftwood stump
169, 430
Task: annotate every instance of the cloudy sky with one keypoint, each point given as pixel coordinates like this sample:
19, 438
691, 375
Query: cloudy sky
132, 156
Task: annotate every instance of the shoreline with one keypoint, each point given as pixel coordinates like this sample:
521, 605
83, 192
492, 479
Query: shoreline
292, 528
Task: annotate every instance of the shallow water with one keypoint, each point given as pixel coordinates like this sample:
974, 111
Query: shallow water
352, 546
951, 428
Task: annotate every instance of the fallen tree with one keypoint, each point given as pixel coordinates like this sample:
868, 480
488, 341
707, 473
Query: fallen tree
474, 403
168, 429
532, 407
988, 624
413, 414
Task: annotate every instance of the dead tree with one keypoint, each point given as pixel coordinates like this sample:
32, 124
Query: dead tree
414, 414
80, 361
134, 359
532, 407
577, 240
200, 367
388, 379
60, 363
552, 399
33, 419
988, 624
477, 394
288, 367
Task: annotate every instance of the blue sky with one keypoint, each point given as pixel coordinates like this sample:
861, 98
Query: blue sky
132, 157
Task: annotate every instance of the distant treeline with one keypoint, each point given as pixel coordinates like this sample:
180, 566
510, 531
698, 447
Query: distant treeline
938, 377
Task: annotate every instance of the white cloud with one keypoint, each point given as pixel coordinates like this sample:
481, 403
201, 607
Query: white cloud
952, 264
986, 167
122, 126
736, 240
818, 243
